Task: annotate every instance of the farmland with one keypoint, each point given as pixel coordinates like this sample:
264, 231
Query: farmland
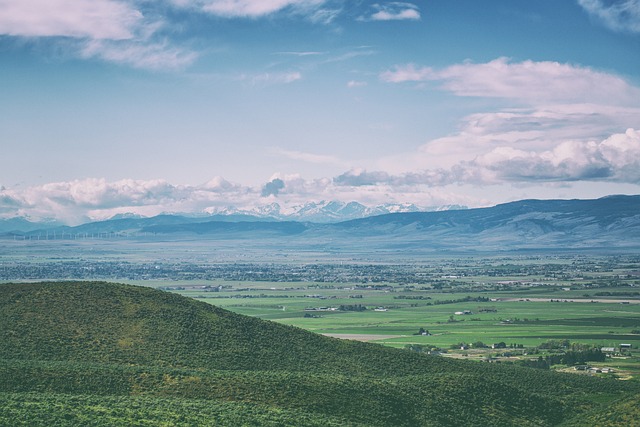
524, 304
524, 301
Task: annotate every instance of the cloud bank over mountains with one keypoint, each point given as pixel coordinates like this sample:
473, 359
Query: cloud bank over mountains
616, 158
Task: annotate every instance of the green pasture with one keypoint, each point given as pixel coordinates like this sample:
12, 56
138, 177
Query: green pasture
529, 323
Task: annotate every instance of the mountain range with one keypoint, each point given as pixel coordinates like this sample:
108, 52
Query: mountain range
318, 212
609, 222
328, 211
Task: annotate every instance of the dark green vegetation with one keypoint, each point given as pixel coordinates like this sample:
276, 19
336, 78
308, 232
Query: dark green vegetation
107, 354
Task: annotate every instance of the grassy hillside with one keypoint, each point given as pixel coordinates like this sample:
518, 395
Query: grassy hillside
70, 350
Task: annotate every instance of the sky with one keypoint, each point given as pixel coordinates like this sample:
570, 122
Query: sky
140, 106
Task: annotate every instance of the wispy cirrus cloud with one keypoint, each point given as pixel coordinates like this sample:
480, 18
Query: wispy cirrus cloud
617, 15
270, 78
310, 157
300, 54
158, 55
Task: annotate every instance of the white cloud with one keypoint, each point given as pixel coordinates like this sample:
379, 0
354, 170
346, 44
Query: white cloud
309, 157
139, 55
79, 201
303, 53
76, 201
271, 78
250, 8
527, 81
619, 15
139, 33
563, 109
95, 19
614, 159
529, 129
394, 11
355, 83
112, 31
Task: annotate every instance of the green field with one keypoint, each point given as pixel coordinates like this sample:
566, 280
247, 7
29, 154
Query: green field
508, 297
519, 314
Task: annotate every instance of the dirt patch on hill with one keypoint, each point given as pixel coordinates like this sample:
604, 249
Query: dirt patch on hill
362, 337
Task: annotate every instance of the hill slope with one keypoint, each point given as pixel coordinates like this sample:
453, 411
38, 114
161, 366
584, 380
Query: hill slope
82, 346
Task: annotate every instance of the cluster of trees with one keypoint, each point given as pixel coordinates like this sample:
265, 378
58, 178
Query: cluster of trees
459, 300
352, 307
570, 358
617, 294
567, 353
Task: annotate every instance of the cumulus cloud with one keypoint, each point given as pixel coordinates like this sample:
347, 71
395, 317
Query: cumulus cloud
79, 201
272, 188
529, 129
561, 108
360, 177
614, 159
393, 11
527, 81
617, 15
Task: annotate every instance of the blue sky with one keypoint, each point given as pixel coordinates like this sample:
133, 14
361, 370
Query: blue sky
113, 106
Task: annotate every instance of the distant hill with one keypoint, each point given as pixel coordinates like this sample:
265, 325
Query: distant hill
317, 212
107, 354
24, 225
610, 222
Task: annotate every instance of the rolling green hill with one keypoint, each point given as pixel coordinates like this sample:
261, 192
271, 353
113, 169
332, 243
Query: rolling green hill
93, 353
